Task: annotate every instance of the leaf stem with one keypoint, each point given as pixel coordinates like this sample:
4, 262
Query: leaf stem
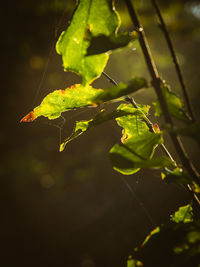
174, 57
156, 82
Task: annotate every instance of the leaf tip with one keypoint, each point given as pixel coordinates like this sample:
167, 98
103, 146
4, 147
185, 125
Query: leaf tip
29, 117
62, 147
156, 128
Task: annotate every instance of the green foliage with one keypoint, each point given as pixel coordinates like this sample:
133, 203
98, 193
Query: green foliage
137, 144
80, 96
176, 243
184, 215
126, 160
85, 48
174, 104
91, 18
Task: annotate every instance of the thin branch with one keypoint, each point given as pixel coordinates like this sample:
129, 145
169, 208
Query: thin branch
156, 82
111, 80
174, 57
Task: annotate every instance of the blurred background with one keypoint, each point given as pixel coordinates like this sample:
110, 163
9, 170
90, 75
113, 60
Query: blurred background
71, 208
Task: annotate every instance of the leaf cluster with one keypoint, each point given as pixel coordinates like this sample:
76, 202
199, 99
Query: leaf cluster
85, 49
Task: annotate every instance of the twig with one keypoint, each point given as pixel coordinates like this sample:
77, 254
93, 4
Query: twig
156, 82
111, 80
174, 57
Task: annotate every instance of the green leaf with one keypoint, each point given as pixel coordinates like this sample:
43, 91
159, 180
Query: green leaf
174, 103
80, 96
133, 126
83, 126
152, 233
138, 144
183, 215
102, 43
175, 176
92, 17
127, 161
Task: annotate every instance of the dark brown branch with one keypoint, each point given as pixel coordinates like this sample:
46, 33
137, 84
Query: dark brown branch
156, 82
173, 54
111, 80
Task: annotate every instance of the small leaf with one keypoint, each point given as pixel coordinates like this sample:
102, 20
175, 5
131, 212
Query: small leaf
133, 126
94, 17
102, 43
178, 176
183, 215
175, 176
78, 96
152, 233
174, 103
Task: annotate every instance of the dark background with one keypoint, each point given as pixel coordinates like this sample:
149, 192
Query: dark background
71, 208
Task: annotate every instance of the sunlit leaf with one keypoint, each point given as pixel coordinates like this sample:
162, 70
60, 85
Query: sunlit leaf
91, 18
153, 232
174, 103
83, 126
126, 161
183, 215
103, 43
133, 126
137, 145
80, 96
